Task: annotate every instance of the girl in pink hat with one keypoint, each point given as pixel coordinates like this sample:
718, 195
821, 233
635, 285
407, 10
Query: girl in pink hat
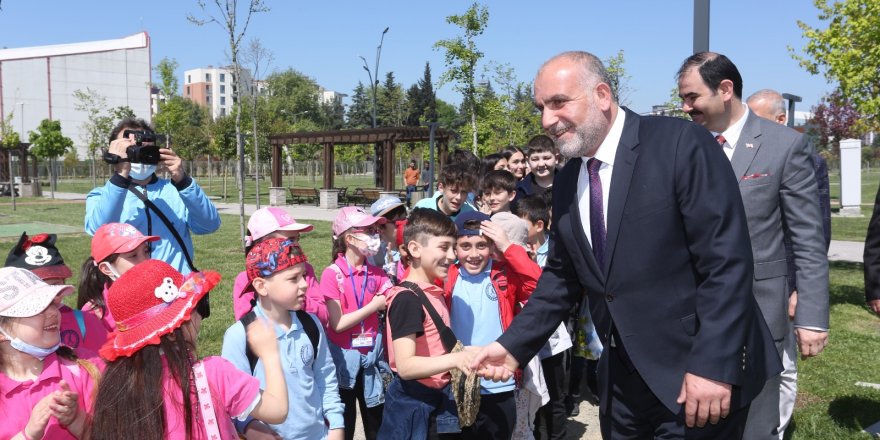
273, 222
116, 248
47, 392
154, 386
355, 294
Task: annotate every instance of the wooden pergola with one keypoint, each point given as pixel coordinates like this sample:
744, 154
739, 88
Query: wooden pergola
385, 140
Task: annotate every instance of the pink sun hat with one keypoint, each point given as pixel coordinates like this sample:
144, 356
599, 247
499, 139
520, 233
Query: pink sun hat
265, 221
354, 217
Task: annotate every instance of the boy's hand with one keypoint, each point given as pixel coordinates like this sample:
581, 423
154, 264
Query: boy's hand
465, 357
378, 303
261, 337
497, 234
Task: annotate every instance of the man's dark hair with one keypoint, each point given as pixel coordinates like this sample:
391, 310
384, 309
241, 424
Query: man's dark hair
498, 179
533, 208
457, 174
713, 68
129, 124
466, 159
541, 144
424, 223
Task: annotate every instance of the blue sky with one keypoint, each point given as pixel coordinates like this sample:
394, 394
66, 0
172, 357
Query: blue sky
323, 39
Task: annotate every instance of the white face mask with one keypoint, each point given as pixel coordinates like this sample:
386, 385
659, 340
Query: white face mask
372, 241
141, 171
114, 274
37, 352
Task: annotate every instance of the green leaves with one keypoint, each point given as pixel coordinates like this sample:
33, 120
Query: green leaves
847, 52
48, 141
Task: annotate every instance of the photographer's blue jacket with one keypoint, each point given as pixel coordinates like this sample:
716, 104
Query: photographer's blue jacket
185, 205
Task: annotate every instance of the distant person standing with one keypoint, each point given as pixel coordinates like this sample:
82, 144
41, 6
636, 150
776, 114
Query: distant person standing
411, 179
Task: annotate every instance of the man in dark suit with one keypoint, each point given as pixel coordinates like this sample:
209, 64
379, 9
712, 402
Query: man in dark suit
648, 221
774, 171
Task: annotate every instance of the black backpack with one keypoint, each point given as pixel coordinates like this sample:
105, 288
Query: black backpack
308, 326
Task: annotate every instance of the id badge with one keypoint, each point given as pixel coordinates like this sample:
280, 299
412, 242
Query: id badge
362, 340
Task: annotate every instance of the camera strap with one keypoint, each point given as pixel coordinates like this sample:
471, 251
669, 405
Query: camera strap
152, 207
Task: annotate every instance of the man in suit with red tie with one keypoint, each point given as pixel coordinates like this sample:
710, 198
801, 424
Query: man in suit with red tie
648, 221
774, 171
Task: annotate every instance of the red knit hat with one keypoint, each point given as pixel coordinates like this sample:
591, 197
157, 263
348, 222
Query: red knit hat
151, 300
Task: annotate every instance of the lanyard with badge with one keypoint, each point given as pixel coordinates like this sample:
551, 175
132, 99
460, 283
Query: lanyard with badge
364, 339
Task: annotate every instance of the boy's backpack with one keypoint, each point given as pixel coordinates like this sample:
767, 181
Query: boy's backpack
309, 327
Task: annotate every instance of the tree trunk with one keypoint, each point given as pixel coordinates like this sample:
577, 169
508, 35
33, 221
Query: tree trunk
225, 177
474, 124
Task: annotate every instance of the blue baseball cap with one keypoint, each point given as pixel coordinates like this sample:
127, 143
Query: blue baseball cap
466, 218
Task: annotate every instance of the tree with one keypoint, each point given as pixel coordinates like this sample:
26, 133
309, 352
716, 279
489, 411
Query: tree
834, 119
359, 111
846, 52
260, 58
619, 78
429, 99
94, 129
169, 84
390, 103
462, 57
228, 13
48, 143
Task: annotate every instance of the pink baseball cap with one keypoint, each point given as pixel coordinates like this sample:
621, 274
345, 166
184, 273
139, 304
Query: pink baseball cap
25, 294
353, 217
265, 221
117, 238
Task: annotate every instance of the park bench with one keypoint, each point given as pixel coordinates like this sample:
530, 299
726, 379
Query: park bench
299, 195
342, 197
363, 196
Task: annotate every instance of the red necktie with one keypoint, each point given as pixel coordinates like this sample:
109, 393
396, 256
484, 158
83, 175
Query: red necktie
721, 140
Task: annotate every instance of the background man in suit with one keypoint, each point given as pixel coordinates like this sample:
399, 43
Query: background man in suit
769, 104
775, 174
668, 270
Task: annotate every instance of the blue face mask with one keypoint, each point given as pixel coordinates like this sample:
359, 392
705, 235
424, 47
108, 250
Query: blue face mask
140, 171
37, 352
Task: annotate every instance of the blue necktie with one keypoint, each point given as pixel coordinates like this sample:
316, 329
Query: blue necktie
597, 213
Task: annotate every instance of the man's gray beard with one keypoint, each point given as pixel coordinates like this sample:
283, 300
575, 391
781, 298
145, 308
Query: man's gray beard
586, 136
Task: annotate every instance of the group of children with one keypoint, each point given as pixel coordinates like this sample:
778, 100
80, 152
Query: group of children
403, 304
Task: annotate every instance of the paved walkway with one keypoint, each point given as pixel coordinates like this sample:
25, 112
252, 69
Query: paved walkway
839, 250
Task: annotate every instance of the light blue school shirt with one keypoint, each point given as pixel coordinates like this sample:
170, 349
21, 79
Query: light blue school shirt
476, 318
312, 392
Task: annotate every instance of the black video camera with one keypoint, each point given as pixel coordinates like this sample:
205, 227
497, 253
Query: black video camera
139, 153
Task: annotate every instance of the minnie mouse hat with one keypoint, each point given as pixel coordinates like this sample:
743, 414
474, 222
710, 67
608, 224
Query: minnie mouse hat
39, 255
117, 238
149, 301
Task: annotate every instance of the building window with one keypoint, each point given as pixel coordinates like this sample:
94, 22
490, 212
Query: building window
222, 77
222, 100
189, 79
222, 87
223, 111
208, 88
207, 77
208, 99
187, 90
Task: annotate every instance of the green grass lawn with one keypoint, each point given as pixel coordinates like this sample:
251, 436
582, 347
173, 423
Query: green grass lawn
830, 406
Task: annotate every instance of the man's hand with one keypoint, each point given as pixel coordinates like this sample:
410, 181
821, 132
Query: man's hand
494, 362
874, 305
810, 342
704, 400
172, 163
792, 305
118, 148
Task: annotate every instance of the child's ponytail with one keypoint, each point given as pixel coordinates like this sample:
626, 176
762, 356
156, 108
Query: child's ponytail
339, 246
91, 284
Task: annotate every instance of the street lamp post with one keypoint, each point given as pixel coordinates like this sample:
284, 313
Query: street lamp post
374, 83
